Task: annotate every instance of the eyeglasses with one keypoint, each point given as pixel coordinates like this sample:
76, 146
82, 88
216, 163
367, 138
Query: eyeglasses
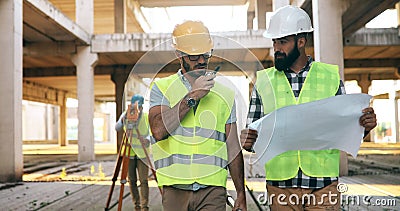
194, 58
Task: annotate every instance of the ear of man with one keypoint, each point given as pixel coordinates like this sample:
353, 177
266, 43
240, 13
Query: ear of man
301, 42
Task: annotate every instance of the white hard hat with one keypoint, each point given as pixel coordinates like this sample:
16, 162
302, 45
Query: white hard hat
288, 20
192, 37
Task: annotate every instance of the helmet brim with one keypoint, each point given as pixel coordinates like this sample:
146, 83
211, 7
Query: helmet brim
277, 36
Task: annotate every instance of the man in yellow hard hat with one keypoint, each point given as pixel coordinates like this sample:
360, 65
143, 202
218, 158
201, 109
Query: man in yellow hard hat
296, 79
193, 120
138, 123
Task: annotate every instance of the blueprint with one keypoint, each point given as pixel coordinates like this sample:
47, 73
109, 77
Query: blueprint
331, 123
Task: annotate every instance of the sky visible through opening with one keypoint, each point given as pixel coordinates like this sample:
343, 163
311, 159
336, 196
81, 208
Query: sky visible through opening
227, 18
216, 18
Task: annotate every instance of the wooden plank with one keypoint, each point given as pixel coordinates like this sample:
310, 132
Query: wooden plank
34, 195
90, 198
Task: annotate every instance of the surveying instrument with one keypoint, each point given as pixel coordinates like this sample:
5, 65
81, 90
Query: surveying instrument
131, 123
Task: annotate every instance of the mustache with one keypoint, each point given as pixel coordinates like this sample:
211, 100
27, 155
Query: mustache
199, 66
279, 54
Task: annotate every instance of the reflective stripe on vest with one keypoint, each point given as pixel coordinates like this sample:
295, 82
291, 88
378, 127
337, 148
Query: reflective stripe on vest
322, 81
201, 136
202, 132
188, 159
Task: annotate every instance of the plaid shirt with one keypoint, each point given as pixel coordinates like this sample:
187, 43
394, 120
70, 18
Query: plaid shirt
256, 112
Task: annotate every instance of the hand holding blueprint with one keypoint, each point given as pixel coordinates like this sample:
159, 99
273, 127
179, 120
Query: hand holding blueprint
331, 123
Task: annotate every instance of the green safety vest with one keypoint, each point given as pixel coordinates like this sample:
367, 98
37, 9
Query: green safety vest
136, 146
321, 82
196, 151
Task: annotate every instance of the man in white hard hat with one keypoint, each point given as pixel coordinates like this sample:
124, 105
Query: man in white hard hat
296, 79
193, 120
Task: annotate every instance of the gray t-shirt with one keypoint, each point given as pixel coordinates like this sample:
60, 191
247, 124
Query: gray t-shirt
157, 98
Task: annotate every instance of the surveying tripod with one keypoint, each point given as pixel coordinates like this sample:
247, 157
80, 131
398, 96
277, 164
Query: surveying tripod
132, 121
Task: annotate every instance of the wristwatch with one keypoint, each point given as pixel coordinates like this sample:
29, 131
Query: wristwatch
190, 102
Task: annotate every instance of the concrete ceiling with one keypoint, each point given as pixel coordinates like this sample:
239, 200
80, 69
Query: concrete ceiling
357, 12
163, 3
50, 37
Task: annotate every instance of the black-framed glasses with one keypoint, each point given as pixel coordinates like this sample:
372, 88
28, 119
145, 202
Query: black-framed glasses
194, 58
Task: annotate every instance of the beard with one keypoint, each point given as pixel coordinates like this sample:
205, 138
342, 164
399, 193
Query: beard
197, 71
284, 63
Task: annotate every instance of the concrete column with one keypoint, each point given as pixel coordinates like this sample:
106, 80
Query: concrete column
119, 78
398, 14
276, 4
84, 14
328, 37
393, 96
62, 138
250, 17
372, 133
364, 83
85, 62
120, 16
396, 120
328, 44
11, 164
261, 10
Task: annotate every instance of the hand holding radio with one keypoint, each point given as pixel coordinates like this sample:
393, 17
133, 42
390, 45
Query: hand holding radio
203, 84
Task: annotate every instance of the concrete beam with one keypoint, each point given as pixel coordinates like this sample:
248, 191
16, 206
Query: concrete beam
163, 3
104, 43
357, 12
71, 71
134, 9
46, 72
361, 12
379, 76
107, 70
49, 49
56, 17
371, 63
39, 93
373, 37
306, 5
144, 70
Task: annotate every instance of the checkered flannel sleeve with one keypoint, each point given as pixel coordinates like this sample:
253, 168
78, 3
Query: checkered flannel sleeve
255, 108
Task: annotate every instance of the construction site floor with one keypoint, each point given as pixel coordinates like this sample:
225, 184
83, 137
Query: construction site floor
54, 180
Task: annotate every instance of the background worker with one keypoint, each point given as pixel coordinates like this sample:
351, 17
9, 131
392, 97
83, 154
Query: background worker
137, 154
296, 79
193, 120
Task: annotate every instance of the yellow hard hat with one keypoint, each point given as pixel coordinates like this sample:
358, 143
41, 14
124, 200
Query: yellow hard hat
192, 37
